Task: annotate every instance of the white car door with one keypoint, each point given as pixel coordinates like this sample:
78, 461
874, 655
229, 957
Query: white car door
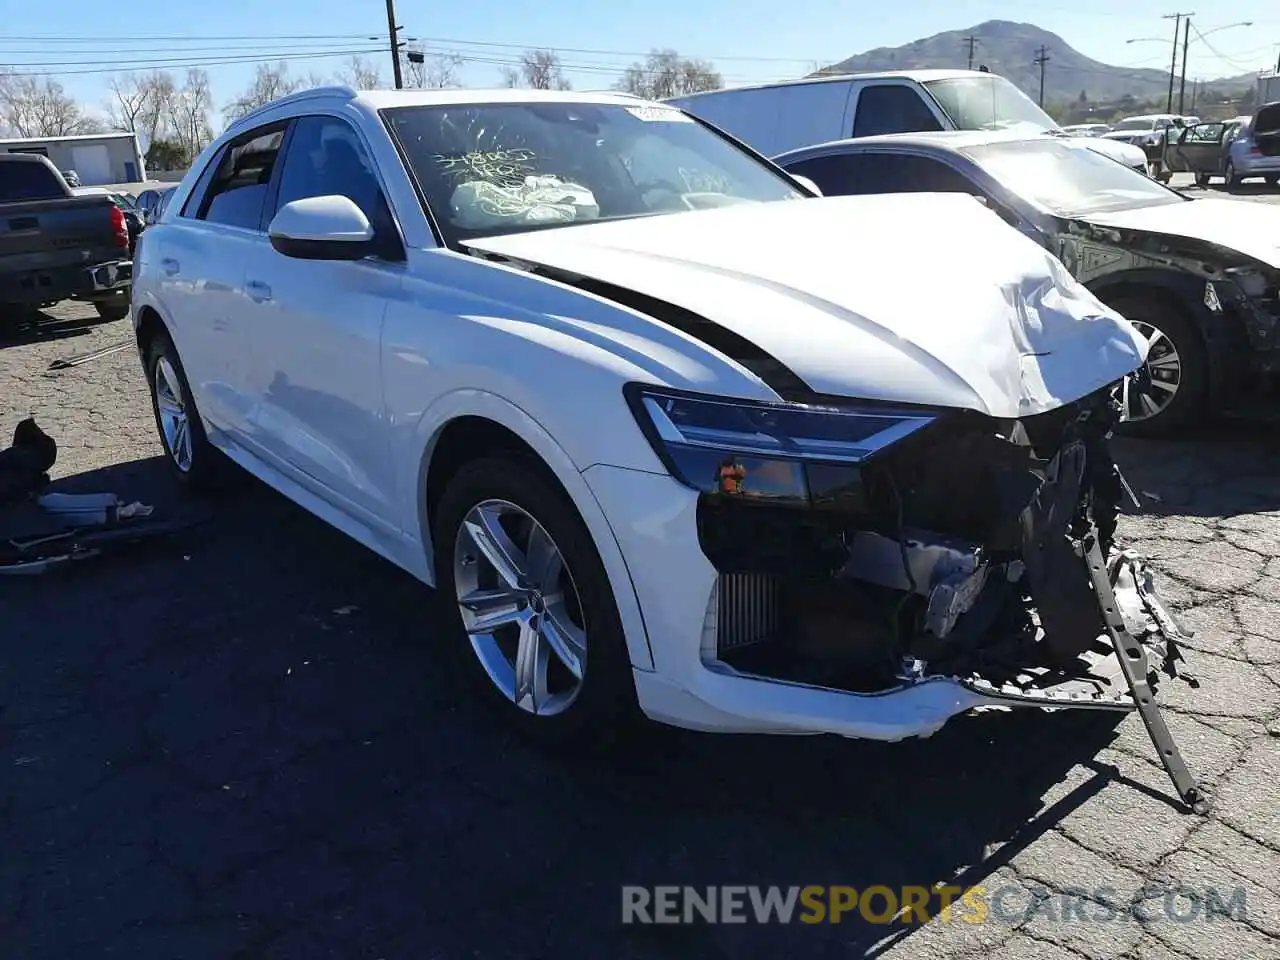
200, 253
317, 335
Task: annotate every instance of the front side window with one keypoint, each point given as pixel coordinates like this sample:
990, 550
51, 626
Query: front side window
488, 169
326, 158
238, 189
1068, 180
892, 108
988, 102
862, 173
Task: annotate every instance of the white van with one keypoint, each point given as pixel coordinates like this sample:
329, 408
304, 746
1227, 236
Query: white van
777, 117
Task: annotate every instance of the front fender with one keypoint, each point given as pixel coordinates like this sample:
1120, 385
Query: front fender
480, 403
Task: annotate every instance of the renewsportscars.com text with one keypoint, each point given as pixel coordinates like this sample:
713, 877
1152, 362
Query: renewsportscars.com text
816, 904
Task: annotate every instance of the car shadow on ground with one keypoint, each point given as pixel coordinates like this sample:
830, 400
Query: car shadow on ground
21, 327
250, 721
1219, 469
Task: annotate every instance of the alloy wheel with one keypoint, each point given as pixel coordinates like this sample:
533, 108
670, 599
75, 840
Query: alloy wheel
520, 607
1164, 367
174, 422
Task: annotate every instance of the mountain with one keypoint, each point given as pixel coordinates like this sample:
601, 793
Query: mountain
1009, 49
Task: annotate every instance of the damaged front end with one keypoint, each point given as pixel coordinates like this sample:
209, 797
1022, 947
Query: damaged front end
869, 548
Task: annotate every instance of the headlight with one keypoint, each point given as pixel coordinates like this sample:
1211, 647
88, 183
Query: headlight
769, 451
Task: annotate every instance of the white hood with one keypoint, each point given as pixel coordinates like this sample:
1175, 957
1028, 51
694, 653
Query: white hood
1126, 153
910, 298
1252, 229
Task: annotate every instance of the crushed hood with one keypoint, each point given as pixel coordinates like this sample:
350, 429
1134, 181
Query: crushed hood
908, 298
1252, 229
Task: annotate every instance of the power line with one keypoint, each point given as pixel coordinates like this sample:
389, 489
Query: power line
972, 42
1040, 60
1173, 63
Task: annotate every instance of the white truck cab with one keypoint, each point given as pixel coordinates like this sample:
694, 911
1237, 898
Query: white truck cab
777, 117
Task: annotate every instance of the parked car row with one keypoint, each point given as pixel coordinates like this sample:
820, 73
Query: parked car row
672, 432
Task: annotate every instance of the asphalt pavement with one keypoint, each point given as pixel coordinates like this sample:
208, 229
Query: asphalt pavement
240, 743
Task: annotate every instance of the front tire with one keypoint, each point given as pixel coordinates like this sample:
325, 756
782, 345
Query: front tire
1178, 363
1202, 179
537, 630
195, 462
1233, 180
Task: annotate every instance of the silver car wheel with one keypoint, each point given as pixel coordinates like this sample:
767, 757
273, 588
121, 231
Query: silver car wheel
1164, 367
175, 425
520, 607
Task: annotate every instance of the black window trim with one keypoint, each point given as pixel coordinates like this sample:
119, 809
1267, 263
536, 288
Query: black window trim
200, 192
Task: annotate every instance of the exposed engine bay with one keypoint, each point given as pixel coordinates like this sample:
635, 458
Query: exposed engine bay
977, 549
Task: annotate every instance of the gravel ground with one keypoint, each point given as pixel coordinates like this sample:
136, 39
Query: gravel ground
239, 745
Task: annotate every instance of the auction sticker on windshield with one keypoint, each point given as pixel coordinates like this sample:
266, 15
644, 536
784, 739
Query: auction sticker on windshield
658, 114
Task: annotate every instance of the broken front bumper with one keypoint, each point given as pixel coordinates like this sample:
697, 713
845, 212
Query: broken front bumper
700, 618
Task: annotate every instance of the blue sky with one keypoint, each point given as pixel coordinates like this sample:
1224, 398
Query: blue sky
749, 40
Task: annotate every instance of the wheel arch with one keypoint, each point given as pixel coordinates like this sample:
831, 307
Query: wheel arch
1183, 292
149, 323
469, 424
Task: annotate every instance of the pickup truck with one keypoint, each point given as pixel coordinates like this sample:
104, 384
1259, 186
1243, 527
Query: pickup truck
55, 245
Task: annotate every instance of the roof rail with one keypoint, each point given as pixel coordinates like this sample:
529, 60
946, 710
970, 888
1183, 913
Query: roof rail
335, 90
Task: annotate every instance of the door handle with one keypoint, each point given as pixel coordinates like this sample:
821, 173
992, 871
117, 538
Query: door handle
258, 291
169, 265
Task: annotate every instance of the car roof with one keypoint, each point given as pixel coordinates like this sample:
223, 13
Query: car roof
937, 139
920, 76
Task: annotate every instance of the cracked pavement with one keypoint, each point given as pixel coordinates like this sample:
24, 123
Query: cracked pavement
238, 744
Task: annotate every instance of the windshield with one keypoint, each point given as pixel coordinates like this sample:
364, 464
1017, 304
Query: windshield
1068, 180
1135, 125
488, 169
988, 102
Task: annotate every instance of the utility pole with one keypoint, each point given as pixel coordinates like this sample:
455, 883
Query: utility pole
1182, 90
1042, 57
972, 43
1173, 63
394, 31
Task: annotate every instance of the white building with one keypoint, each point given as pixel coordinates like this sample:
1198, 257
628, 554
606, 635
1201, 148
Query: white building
97, 158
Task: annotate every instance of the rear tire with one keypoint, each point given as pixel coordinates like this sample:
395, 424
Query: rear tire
1272, 180
193, 460
117, 308
1178, 359
598, 704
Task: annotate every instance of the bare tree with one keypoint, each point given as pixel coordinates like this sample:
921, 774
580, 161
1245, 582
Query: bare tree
667, 74
269, 83
128, 101
34, 107
437, 71
539, 69
189, 110
361, 73
157, 112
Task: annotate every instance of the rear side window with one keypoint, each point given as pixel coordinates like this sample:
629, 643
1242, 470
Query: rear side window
237, 192
860, 173
22, 180
892, 108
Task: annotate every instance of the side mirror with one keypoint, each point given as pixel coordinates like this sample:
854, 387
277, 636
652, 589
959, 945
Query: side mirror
322, 228
807, 184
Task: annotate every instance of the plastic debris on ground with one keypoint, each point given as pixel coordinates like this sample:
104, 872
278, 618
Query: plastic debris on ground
42, 529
